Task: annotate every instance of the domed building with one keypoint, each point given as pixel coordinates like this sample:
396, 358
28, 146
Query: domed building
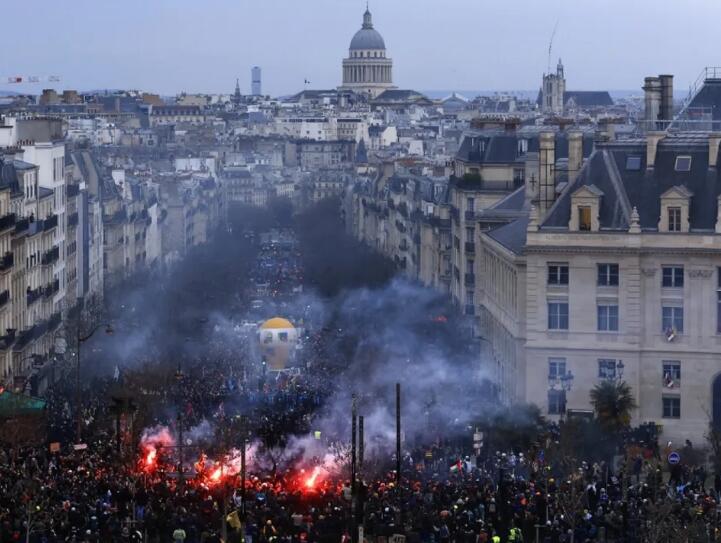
367, 70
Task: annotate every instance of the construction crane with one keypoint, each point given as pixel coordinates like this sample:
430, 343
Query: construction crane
550, 46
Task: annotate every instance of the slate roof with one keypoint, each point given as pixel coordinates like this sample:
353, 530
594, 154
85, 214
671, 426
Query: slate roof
588, 98
623, 189
399, 95
512, 235
503, 148
707, 98
514, 208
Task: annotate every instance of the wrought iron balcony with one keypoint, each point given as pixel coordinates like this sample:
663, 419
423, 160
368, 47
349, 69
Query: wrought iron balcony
33, 296
7, 221
50, 256
7, 261
50, 223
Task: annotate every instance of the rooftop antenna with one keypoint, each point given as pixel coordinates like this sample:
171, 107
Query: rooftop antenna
550, 46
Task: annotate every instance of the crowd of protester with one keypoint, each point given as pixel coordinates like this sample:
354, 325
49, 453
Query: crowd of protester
96, 492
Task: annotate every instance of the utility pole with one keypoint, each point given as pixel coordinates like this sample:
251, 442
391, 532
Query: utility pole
353, 467
398, 455
179, 383
360, 509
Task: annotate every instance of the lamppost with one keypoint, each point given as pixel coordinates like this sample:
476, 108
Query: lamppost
82, 339
618, 374
562, 383
179, 376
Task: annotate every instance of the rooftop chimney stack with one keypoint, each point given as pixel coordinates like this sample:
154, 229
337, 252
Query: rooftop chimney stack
547, 172
666, 112
575, 153
652, 100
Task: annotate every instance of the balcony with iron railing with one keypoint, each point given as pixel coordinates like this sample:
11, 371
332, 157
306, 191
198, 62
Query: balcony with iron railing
32, 296
7, 262
7, 221
51, 288
51, 256
50, 223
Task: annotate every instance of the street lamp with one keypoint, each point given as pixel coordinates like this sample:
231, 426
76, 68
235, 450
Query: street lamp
179, 377
563, 383
619, 370
82, 339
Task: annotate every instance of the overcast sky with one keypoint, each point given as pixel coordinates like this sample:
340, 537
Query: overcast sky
168, 46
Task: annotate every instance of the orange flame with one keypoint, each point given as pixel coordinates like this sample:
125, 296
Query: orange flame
215, 476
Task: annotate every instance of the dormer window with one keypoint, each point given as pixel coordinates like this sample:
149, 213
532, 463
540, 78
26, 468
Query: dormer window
683, 163
675, 205
674, 219
585, 207
584, 218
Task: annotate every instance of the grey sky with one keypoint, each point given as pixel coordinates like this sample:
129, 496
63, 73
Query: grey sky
203, 45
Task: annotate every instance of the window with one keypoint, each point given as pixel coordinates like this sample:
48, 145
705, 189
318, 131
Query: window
683, 163
557, 316
718, 300
608, 275
558, 274
283, 336
674, 219
672, 277
633, 163
469, 233
606, 368
556, 368
469, 297
607, 318
671, 407
671, 373
672, 318
556, 402
584, 218
470, 204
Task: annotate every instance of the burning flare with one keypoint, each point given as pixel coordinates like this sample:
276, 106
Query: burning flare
310, 483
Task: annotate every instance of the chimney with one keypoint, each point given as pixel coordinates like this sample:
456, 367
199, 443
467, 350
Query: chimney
575, 153
652, 139
666, 110
652, 100
547, 172
714, 138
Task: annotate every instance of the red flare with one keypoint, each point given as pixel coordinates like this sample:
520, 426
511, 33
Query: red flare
150, 457
310, 483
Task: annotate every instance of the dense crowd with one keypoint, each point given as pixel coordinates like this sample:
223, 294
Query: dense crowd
445, 494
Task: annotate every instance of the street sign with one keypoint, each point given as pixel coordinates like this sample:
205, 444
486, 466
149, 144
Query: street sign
674, 458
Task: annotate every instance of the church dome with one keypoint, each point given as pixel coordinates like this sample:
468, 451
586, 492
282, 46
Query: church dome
367, 37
